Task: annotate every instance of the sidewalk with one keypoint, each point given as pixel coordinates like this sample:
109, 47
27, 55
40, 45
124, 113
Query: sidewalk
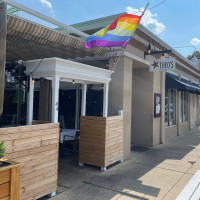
157, 173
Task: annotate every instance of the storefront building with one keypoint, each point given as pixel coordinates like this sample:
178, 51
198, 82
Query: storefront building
60, 80
131, 90
133, 86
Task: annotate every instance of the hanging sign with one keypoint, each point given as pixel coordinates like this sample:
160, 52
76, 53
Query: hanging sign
162, 64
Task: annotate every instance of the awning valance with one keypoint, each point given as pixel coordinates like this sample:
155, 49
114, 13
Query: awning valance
174, 82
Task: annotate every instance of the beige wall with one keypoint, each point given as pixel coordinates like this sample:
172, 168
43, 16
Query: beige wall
120, 98
184, 127
145, 85
142, 107
193, 110
170, 132
159, 86
132, 90
186, 75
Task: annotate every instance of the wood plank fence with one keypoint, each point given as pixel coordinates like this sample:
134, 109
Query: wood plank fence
36, 148
101, 140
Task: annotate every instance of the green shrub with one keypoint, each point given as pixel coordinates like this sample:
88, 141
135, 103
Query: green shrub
2, 149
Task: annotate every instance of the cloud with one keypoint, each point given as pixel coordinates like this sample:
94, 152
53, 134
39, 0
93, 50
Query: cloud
195, 41
46, 3
148, 20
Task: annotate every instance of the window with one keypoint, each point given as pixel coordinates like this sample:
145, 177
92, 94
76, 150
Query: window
170, 107
184, 106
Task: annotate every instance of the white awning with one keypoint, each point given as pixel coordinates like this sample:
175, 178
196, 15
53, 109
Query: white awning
67, 71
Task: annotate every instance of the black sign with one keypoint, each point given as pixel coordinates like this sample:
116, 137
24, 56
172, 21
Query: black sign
157, 105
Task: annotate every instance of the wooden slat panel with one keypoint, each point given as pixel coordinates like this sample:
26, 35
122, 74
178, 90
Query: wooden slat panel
93, 131
34, 157
15, 183
25, 129
36, 148
101, 140
5, 198
32, 151
34, 122
92, 161
32, 167
41, 183
39, 192
4, 190
13, 148
36, 179
39, 172
93, 118
18, 135
35, 194
4, 176
118, 148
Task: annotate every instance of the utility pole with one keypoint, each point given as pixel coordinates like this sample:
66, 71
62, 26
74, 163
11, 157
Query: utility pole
3, 31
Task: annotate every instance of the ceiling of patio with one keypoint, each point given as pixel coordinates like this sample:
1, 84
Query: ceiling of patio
27, 40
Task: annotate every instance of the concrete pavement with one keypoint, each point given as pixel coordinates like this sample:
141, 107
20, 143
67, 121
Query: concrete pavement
157, 173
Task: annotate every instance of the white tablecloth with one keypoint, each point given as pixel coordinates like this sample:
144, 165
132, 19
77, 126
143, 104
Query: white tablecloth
70, 132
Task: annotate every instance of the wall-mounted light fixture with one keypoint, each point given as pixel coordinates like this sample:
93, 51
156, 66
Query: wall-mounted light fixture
73, 81
149, 47
153, 51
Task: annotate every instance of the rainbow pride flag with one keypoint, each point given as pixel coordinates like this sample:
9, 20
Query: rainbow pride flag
117, 34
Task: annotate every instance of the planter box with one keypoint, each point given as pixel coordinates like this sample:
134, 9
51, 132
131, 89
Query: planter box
10, 181
101, 140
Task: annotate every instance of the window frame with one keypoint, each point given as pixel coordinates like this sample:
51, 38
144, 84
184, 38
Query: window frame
171, 110
184, 106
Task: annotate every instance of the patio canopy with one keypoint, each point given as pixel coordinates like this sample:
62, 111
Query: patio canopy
57, 70
27, 40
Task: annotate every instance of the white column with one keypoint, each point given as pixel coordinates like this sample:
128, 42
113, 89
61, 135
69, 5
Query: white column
105, 99
83, 103
198, 110
55, 97
77, 106
29, 117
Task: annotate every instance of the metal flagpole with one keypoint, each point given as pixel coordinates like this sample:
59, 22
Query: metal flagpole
145, 9
124, 49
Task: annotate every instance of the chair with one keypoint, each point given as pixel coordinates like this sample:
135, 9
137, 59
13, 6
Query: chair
72, 141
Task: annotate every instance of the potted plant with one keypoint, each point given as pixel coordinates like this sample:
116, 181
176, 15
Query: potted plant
2, 154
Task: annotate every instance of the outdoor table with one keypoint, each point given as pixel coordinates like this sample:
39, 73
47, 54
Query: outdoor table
67, 132
64, 133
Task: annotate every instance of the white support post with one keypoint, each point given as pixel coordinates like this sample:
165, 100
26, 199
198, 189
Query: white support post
105, 99
55, 97
83, 103
29, 117
77, 106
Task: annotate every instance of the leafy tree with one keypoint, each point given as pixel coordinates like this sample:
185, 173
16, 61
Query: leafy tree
196, 53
